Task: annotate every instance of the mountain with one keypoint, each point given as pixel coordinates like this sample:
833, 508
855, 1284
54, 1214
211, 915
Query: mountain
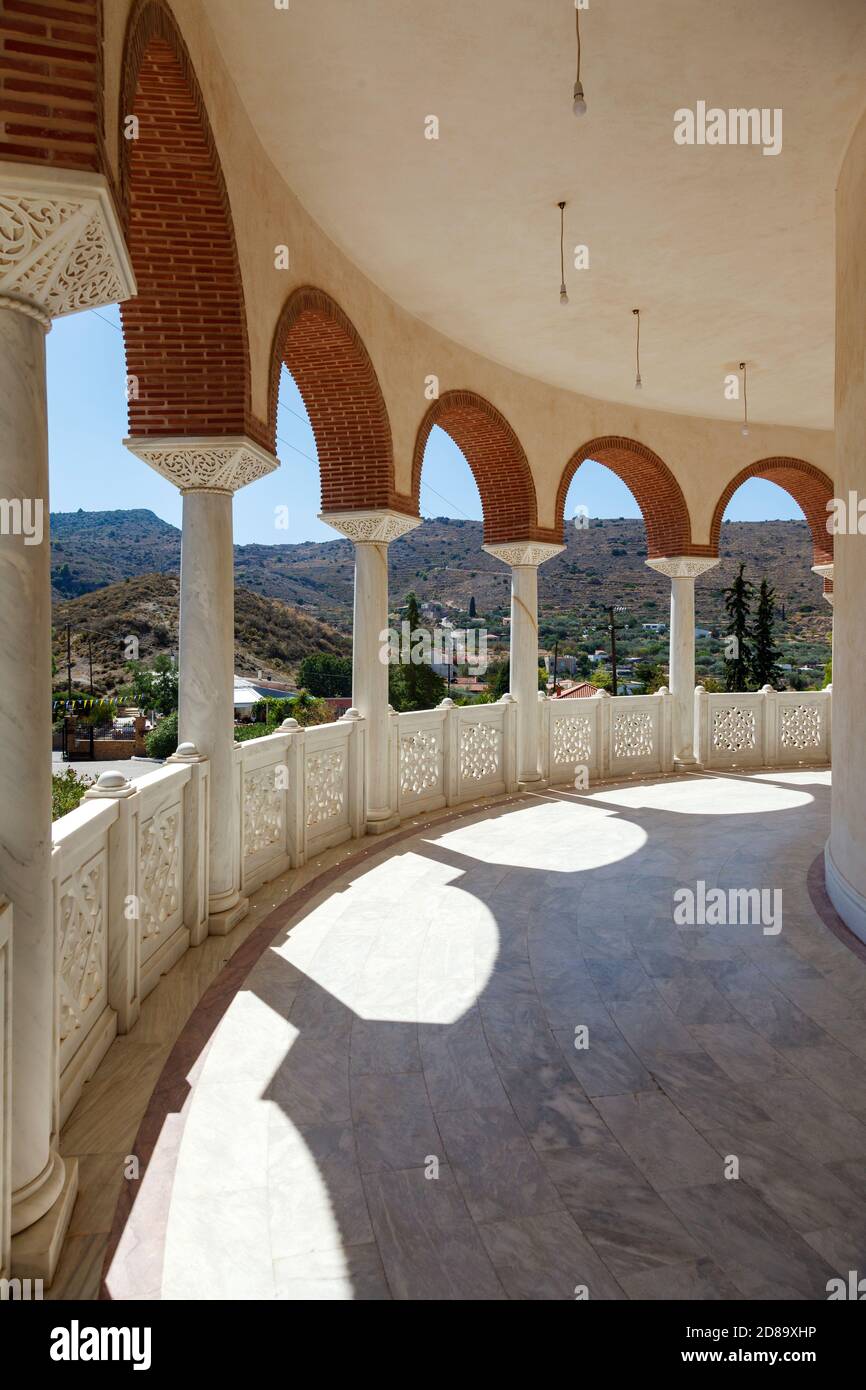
270, 637
443, 562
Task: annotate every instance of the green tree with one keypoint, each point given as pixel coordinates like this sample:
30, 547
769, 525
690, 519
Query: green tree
652, 675
473, 612
324, 674
765, 655
413, 684
153, 687
828, 673
161, 742
499, 678
738, 606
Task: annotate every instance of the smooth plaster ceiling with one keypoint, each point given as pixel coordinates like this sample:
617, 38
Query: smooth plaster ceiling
728, 252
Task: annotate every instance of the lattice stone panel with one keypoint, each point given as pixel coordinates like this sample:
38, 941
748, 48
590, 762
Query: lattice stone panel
263, 810
420, 761
326, 786
160, 870
735, 729
633, 734
480, 752
572, 740
82, 946
800, 726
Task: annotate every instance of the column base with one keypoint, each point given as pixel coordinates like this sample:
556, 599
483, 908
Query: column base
687, 763
532, 783
848, 902
378, 822
221, 923
36, 1249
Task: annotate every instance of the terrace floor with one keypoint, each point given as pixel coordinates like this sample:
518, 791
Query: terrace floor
380, 1096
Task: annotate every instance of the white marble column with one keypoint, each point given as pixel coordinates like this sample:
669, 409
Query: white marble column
372, 531
524, 557
209, 471
682, 571
60, 251
845, 853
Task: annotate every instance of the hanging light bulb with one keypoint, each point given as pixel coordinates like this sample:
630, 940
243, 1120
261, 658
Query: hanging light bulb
563, 292
745, 429
579, 106
638, 384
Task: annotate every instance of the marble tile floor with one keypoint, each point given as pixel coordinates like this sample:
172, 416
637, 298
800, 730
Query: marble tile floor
379, 1094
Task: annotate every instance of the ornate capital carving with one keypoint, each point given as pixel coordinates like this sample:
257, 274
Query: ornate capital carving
683, 566
375, 526
523, 552
61, 247
825, 571
206, 464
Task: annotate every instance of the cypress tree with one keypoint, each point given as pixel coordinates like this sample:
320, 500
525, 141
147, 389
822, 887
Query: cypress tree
738, 603
765, 655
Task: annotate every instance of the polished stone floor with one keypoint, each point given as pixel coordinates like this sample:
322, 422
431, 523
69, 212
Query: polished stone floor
393, 1104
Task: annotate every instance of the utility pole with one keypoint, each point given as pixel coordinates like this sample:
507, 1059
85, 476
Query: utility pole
613, 608
555, 663
69, 659
90, 658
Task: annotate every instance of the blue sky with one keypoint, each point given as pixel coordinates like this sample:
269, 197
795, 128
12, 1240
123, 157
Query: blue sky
91, 469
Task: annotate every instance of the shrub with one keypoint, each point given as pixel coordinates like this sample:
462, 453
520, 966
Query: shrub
67, 790
244, 732
161, 742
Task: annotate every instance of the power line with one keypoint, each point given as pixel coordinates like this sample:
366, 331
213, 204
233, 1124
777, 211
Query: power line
305, 421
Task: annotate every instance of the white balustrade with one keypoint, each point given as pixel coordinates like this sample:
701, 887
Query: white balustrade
81, 872
453, 754
266, 768
301, 791
762, 728
603, 737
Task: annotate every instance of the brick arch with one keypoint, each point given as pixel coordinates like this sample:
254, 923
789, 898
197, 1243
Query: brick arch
317, 342
810, 488
51, 89
185, 331
651, 483
497, 460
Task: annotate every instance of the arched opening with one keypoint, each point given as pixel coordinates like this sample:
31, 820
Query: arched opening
651, 483
497, 460
620, 505
807, 485
185, 331
772, 518
324, 353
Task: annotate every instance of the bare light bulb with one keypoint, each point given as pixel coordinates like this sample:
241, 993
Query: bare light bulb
563, 294
579, 107
638, 384
744, 431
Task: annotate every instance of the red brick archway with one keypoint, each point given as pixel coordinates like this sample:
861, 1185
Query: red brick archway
498, 462
810, 488
325, 354
653, 486
185, 331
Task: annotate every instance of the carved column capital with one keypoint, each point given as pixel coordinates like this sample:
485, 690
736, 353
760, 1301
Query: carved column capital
206, 463
532, 553
61, 247
373, 526
683, 566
